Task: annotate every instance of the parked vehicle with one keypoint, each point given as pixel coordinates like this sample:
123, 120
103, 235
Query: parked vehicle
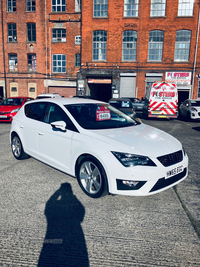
10, 106
105, 149
137, 103
161, 100
48, 95
190, 109
125, 105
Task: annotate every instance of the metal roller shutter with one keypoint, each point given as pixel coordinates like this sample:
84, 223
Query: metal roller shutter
127, 85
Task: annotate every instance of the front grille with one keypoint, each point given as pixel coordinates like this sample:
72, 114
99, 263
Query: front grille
170, 159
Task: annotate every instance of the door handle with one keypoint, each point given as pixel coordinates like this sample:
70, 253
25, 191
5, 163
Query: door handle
40, 133
21, 126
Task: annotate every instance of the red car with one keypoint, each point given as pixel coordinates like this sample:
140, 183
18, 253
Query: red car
10, 106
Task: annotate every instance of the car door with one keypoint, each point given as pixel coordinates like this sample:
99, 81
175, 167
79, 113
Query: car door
54, 145
34, 113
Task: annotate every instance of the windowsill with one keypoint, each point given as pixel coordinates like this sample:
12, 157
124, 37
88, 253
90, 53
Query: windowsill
136, 17
180, 17
155, 62
182, 62
157, 17
59, 42
57, 12
30, 11
100, 17
11, 11
99, 61
12, 42
128, 61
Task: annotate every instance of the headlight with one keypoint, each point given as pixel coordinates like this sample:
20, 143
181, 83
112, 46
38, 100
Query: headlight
130, 160
14, 110
194, 109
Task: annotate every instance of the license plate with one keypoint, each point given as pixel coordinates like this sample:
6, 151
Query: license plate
3, 116
155, 112
174, 171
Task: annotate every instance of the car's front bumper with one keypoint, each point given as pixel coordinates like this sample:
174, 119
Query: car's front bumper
148, 180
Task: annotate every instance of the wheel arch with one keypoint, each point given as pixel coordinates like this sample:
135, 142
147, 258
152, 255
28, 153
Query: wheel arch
82, 156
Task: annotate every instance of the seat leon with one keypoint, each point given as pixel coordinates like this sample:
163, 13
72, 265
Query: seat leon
105, 149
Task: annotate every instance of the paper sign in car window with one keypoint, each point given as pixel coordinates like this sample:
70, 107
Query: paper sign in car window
125, 104
103, 114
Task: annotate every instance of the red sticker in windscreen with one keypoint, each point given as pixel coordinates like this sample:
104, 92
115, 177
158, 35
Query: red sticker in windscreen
103, 114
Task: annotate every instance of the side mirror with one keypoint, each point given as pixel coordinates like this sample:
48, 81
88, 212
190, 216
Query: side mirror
61, 125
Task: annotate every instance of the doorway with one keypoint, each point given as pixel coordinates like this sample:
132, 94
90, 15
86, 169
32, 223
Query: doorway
182, 95
102, 92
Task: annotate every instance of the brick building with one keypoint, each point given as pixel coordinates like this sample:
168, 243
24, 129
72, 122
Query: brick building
128, 44
107, 48
39, 47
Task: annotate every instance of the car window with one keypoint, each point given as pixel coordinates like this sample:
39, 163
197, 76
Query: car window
99, 116
55, 113
12, 102
121, 104
35, 111
195, 103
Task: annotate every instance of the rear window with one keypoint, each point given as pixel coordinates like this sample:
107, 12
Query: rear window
35, 111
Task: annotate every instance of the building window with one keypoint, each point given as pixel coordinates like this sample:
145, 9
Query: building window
31, 62
31, 32
11, 5
155, 45
58, 5
100, 8
59, 63
30, 5
59, 35
12, 32
198, 93
158, 8
185, 7
182, 46
77, 5
131, 8
78, 39
99, 45
77, 60
129, 45
13, 65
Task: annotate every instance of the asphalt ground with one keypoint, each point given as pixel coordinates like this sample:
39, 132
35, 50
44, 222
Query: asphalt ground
46, 219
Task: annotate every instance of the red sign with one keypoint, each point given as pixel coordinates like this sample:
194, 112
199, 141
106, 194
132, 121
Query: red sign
103, 114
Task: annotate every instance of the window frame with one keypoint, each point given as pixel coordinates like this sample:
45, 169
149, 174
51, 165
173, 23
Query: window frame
77, 60
181, 49
155, 46
100, 8
99, 46
77, 5
62, 35
31, 32
55, 58
185, 9
11, 58
32, 6
30, 58
13, 32
158, 8
12, 7
78, 39
55, 6
129, 9
128, 45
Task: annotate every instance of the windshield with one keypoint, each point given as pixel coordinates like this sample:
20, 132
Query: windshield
120, 104
195, 103
99, 116
12, 102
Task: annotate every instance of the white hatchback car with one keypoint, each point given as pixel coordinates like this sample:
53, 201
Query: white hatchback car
190, 109
104, 148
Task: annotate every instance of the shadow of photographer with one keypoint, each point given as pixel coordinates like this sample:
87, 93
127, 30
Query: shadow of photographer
64, 243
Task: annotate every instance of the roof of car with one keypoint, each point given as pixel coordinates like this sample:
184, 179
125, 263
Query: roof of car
68, 100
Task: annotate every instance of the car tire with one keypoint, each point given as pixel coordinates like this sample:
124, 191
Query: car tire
17, 148
92, 177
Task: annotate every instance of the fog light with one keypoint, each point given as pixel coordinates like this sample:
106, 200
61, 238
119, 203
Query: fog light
130, 183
